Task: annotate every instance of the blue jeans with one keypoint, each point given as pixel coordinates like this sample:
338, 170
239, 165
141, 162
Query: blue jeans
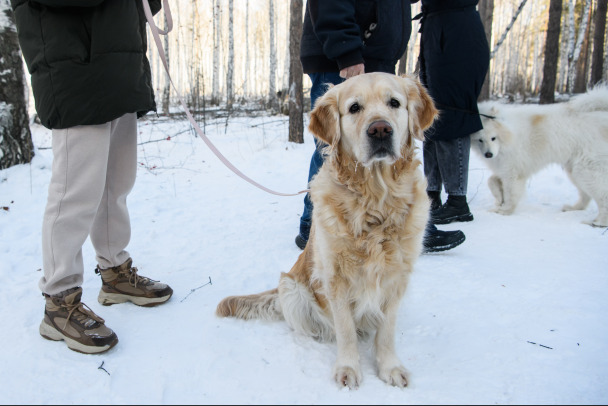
446, 164
318, 89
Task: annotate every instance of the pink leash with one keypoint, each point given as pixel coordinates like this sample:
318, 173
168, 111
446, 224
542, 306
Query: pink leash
156, 34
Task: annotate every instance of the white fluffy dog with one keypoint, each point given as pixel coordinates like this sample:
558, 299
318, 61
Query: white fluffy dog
523, 139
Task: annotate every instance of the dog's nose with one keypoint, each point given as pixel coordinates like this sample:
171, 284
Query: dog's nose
379, 129
489, 155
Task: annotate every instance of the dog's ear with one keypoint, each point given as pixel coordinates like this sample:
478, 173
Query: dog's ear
325, 119
421, 108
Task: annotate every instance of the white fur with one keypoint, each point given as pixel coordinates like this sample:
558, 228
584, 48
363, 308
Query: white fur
524, 139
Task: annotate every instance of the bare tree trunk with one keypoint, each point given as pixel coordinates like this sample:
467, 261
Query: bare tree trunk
597, 60
272, 93
246, 80
571, 39
504, 34
230, 68
215, 92
167, 88
575, 49
402, 70
486, 11
16, 145
547, 89
582, 64
296, 92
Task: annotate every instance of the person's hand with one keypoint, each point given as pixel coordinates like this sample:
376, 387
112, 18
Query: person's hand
351, 71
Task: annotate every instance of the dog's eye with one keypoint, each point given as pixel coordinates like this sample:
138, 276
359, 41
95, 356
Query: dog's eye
354, 108
394, 103
493, 138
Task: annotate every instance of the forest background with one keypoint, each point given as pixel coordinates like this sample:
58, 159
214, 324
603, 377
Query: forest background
228, 59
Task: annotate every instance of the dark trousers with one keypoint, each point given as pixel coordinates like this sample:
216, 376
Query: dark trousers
320, 83
446, 164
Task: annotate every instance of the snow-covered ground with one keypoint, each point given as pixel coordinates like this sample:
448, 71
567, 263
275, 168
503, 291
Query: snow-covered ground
518, 314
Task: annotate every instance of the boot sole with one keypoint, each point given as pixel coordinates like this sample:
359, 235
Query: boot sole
51, 333
108, 299
440, 248
461, 218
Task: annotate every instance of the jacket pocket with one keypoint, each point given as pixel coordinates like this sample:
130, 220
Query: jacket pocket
366, 15
66, 33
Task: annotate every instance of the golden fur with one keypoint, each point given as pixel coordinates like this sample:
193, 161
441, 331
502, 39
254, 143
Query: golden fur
370, 212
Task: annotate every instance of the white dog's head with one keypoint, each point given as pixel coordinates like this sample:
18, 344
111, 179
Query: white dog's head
487, 142
373, 118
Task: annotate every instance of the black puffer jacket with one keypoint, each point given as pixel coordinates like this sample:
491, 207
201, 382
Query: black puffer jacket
454, 62
87, 59
334, 34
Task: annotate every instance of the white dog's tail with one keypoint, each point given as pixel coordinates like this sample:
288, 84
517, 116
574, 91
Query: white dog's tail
265, 305
594, 100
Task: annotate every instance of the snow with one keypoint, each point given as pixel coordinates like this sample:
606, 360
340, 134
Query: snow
4, 20
515, 315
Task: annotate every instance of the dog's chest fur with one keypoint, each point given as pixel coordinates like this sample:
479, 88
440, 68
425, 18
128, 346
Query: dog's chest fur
368, 239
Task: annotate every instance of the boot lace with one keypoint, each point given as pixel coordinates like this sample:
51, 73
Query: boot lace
82, 313
134, 278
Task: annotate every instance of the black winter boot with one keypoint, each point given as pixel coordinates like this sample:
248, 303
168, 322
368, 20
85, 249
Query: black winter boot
435, 198
436, 240
454, 209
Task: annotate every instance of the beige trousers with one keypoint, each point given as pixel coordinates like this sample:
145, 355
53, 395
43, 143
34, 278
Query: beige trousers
93, 171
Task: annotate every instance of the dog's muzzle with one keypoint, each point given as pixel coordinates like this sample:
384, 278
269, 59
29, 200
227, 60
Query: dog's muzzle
380, 134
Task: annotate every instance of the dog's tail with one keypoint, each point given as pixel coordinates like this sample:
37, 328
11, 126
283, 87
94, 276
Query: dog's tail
265, 306
594, 100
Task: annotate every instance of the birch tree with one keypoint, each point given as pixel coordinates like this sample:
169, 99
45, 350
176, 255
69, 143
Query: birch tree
167, 89
547, 89
486, 12
597, 59
272, 93
246, 79
230, 67
16, 145
506, 32
215, 86
574, 49
581, 66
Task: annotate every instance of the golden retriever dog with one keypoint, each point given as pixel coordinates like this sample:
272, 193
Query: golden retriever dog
370, 212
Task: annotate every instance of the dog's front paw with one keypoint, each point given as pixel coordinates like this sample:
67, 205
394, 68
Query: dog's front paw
348, 377
596, 223
505, 211
396, 376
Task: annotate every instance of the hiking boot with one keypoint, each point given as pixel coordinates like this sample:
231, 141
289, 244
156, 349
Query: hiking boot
122, 283
302, 237
437, 240
67, 318
300, 241
454, 209
435, 199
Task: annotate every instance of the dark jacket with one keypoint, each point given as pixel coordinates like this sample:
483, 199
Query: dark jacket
342, 33
454, 61
87, 59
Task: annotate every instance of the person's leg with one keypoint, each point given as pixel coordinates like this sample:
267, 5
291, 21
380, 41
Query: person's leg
80, 156
432, 172
320, 82
77, 185
453, 159
454, 163
111, 229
